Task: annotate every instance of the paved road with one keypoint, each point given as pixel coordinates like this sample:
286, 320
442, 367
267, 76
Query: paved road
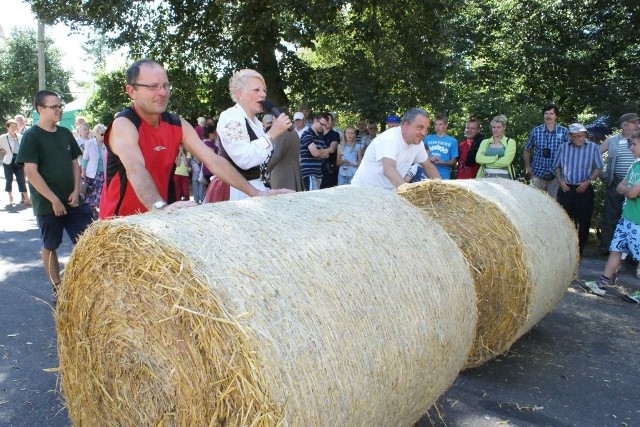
578, 367
28, 395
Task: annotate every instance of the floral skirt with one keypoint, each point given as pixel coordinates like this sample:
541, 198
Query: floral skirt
94, 190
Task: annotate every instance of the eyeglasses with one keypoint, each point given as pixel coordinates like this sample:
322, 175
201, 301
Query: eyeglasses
54, 107
325, 124
154, 87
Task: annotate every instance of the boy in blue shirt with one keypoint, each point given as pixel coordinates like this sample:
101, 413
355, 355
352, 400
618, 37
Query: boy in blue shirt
442, 148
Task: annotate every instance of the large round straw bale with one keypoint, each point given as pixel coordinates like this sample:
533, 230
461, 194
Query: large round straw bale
521, 246
308, 309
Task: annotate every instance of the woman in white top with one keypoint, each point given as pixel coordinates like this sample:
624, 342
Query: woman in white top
94, 166
9, 146
242, 138
84, 136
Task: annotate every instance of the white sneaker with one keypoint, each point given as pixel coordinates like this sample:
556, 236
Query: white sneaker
592, 287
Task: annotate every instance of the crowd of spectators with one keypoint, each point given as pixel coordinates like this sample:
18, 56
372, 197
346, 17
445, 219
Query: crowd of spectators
256, 149
310, 152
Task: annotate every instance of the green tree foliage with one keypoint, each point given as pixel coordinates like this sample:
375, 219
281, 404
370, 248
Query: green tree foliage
108, 98
19, 72
205, 39
368, 57
513, 57
379, 58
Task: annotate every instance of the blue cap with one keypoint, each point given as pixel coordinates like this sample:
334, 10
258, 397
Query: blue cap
392, 118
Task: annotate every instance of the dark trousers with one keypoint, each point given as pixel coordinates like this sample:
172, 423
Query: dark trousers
610, 214
329, 180
579, 207
9, 171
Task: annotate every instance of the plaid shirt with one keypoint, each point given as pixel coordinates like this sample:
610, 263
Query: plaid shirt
539, 139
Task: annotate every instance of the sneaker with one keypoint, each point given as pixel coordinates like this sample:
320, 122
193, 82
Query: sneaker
55, 287
592, 287
633, 297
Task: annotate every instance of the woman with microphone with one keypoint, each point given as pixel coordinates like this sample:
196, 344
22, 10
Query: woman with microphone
242, 138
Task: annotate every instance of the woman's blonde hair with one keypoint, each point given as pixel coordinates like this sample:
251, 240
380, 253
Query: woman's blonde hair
499, 119
344, 135
240, 79
98, 128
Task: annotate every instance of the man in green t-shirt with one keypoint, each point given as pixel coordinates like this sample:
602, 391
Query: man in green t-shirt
48, 153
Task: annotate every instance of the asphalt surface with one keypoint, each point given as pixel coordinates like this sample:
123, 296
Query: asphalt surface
578, 367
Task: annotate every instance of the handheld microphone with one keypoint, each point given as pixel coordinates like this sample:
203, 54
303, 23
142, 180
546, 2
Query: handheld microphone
270, 106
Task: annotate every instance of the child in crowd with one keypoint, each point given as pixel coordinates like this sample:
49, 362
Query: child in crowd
181, 175
626, 237
349, 156
197, 180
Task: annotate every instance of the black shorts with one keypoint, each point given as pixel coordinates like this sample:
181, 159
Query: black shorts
75, 222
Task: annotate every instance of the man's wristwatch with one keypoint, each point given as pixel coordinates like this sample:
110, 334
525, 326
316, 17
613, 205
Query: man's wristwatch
159, 205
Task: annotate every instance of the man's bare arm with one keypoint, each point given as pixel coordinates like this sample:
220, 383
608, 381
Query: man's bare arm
390, 171
123, 141
321, 153
74, 197
430, 169
333, 147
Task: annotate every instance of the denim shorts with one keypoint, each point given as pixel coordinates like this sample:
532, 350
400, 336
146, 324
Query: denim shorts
75, 222
626, 238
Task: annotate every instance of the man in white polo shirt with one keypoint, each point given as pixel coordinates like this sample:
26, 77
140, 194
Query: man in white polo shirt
391, 154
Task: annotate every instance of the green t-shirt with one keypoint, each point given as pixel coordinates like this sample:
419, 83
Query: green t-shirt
631, 209
53, 153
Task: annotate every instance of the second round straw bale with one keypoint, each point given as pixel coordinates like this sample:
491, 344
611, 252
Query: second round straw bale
521, 246
311, 309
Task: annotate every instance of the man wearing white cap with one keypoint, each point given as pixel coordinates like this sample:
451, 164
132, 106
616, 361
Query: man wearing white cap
576, 165
267, 120
299, 124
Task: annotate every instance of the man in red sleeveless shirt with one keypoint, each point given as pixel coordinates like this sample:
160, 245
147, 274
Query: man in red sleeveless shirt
143, 142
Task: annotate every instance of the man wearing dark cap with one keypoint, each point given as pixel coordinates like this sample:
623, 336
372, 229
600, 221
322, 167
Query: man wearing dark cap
619, 160
576, 165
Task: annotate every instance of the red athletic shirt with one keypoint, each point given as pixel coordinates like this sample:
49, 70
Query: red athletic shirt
464, 171
159, 147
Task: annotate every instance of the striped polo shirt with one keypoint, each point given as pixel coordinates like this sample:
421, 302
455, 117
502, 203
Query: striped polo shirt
577, 163
309, 165
624, 159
